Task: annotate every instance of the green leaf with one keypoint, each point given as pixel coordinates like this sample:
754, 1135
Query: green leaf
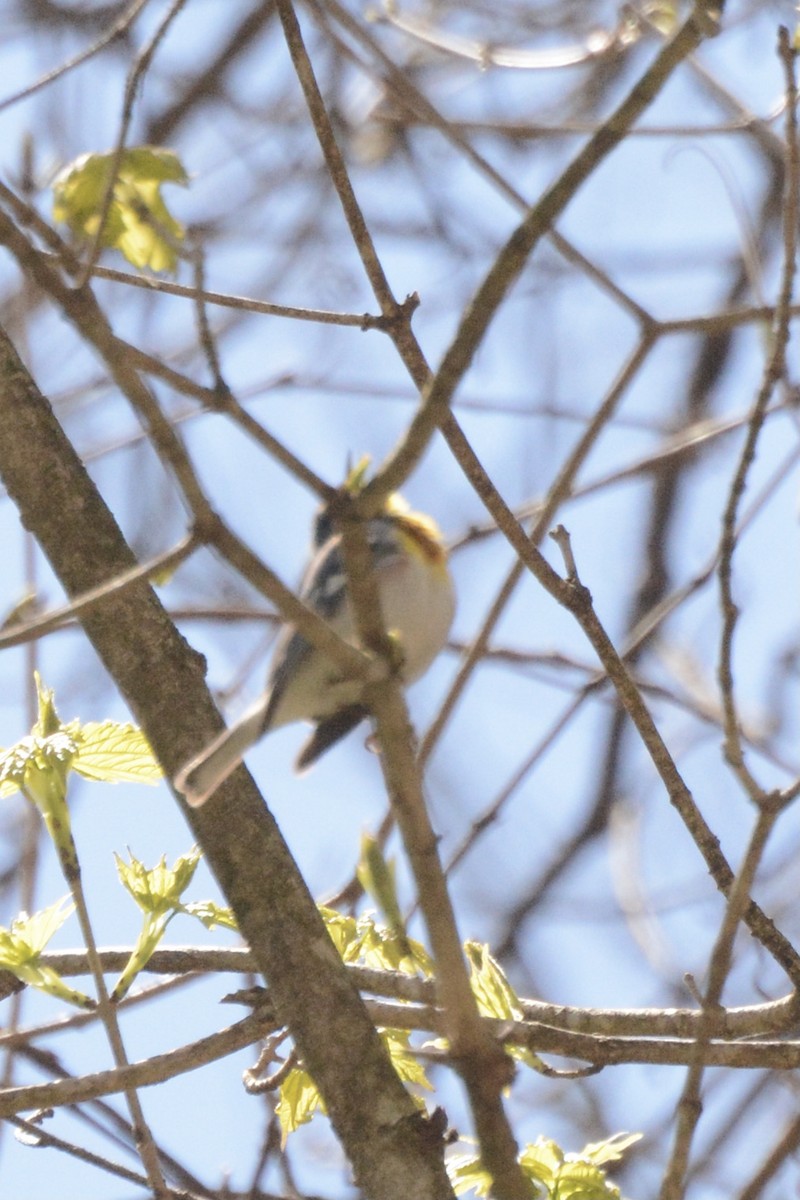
377, 877
664, 17
356, 479
38, 767
386, 950
27, 607
48, 720
138, 223
497, 998
152, 931
404, 1061
158, 893
495, 995
29, 936
158, 890
108, 752
357, 941
391, 947
343, 932
363, 941
610, 1150
103, 751
542, 1161
211, 914
299, 1100
22, 944
467, 1175
553, 1174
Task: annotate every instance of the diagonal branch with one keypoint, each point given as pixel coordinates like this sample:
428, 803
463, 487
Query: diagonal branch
392, 1150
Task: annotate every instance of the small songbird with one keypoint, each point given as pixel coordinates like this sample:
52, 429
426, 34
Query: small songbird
417, 603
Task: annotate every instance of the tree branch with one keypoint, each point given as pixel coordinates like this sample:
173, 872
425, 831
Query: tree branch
161, 678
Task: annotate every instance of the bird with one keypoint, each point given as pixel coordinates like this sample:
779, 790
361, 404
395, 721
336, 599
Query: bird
417, 602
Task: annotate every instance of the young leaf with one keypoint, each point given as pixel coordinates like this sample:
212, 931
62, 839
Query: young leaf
404, 1061
211, 915
497, 998
389, 950
158, 889
467, 1175
108, 752
373, 945
299, 1100
22, 944
153, 929
376, 874
137, 223
101, 751
158, 893
38, 766
553, 1174
391, 947
610, 1150
343, 932
495, 995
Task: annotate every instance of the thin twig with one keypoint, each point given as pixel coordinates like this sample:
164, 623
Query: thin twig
769, 805
16, 635
168, 287
773, 373
122, 24
138, 71
143, 1136
509, 263
690, 1105
81, 307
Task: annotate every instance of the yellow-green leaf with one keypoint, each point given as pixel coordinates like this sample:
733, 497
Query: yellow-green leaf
211, 914
610, 1150
28, 936
404, 1061
388, 950
158, 892
574, 1176
376, 875
495, 995
27, 607
38, 766
153, 929
553, 1174
664, 17
138, 223
299, 1100
158, 889
105, 750
373, 945
467, 1175
109, 752
356, 479
343, 932
49, 981
22, 944
48, 720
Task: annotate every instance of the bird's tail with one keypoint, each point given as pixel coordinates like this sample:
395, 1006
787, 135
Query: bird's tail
212, 766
